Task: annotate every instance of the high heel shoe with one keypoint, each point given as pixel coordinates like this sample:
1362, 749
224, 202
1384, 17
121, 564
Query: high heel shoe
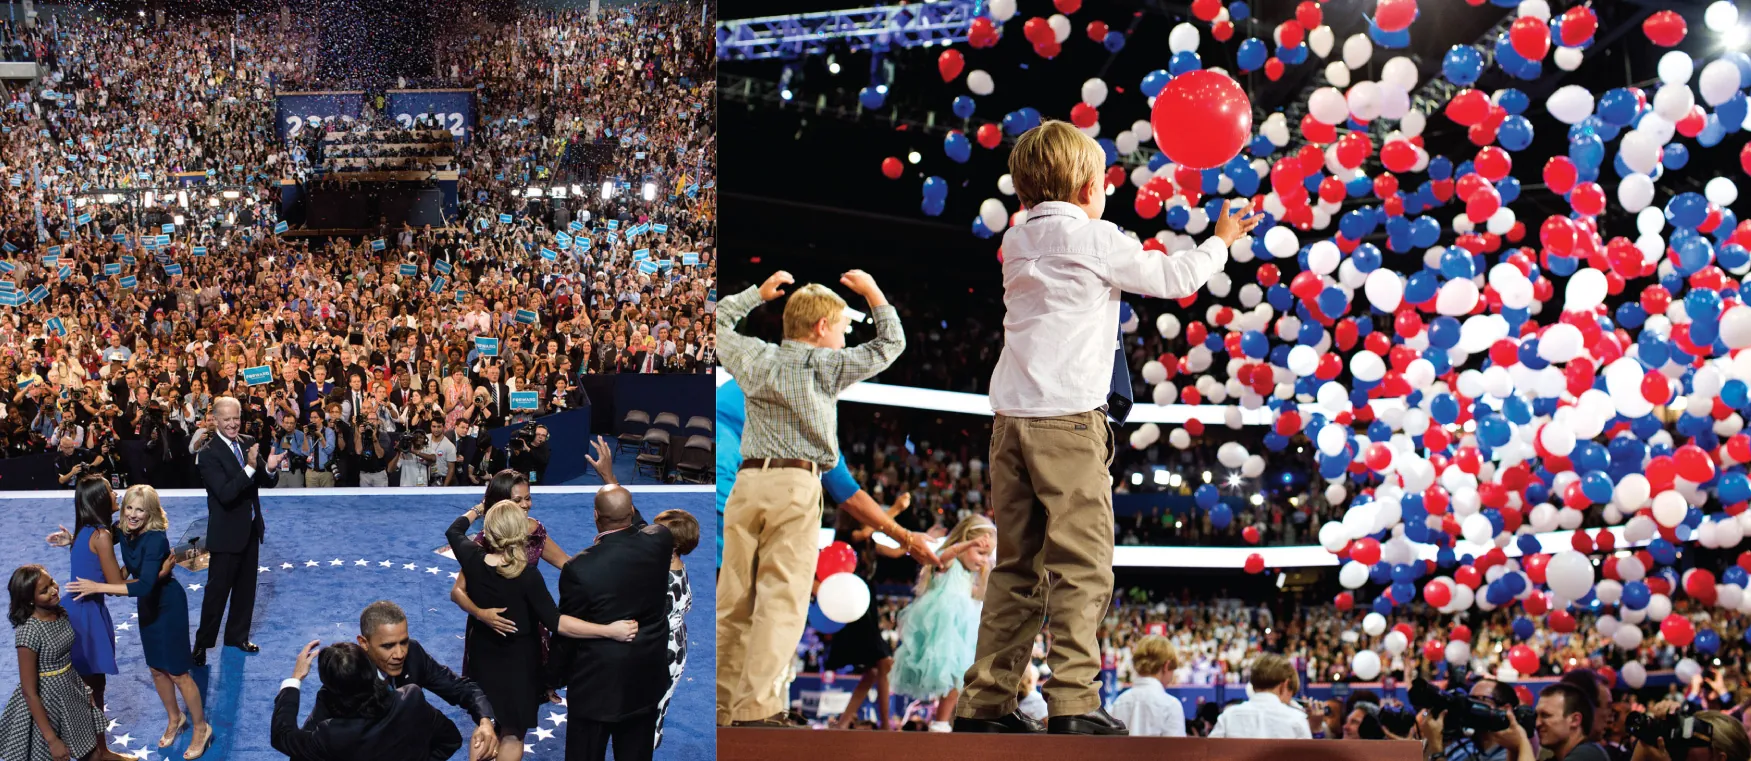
170, 734
196, 750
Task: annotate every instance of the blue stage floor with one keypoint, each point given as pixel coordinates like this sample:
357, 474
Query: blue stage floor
327, 556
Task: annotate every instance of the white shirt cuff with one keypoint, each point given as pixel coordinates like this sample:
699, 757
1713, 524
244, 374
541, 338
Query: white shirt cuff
249, 471
294, 683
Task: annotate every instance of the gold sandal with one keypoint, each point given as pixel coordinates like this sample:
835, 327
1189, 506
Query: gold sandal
169, 736
196, 750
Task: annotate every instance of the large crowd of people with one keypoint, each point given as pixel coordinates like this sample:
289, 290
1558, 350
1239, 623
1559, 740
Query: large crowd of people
139, 130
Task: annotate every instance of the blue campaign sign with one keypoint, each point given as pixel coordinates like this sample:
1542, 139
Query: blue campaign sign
453, 110
690, 260
525, 400
83, 219
172, 269
7, 285
409, 270
576, 226
378, 245
128, 282
488, 347
549, 254
66, 272
443, 267
118, 238
50, 261
583, 244
526, 317
112, 269
128, 259
281, 227
659, 229
167, 228
641, 254
438, 285
562, 240
504, 219
39, 293
613, 224
256, 376
666, 264
297, 111
200, 251
53, 251
54, 326
647, 267
11, 298
164, 240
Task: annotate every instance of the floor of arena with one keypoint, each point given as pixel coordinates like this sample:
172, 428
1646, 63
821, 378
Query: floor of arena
326, 555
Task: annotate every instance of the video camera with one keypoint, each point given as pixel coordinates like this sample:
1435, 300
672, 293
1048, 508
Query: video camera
523, 440
1462, 712
1680, 730
410, 441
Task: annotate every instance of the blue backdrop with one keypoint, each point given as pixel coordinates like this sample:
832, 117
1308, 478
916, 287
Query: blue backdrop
454, 107
294, 112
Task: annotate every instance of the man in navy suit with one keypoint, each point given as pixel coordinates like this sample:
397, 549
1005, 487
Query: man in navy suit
232, 472
367, 719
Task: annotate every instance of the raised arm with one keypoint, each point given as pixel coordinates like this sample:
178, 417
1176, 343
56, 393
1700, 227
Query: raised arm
1135, 269
737, 352
849, 366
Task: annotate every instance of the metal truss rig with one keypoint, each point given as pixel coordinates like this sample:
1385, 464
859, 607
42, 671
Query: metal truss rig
877, 29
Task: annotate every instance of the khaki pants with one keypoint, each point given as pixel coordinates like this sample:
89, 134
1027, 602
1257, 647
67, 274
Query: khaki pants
1053, 502
772, 524
290, 479
318, 478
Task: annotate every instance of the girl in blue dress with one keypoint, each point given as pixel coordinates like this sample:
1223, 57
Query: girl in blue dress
163, 610
939, 631
94, 557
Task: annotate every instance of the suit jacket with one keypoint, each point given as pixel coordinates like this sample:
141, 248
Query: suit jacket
233, 499
435, 678
625, 575
403, 734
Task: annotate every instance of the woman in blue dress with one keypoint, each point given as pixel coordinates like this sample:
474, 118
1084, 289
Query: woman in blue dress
163, 609
94, 557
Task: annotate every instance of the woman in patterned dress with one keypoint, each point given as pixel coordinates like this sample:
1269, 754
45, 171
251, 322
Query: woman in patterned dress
509, 485
685, 528
51, 715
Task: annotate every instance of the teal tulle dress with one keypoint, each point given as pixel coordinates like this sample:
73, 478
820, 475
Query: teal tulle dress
939, 634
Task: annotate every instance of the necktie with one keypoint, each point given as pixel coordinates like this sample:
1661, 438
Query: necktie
236, 450
1119, 398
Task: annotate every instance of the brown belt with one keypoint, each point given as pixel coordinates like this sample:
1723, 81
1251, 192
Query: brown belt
760, 463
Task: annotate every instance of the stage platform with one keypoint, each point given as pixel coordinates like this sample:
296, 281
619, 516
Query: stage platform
764, 744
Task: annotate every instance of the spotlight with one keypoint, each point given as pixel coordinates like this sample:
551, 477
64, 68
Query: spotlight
784, 82
832, 64
1735, 38
1206, 476
1161, 478
1258, 499
607, 190
1721, 16
1136, 479
914, 157
650, 191
1175, 481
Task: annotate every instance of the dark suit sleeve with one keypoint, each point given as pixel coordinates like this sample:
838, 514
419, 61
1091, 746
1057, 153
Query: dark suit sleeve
438, 679
285, 735
317, 714
224, 486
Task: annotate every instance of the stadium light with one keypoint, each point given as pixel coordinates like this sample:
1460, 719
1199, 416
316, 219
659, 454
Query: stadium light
1175, 481
1735, 38
607, 190
577, 191
1206, 476
832, 64
230, 194
1258, 499
111, 198
532, 193
231, 218
914, 157
1161, 478
650, 191
1136, 479
557, 191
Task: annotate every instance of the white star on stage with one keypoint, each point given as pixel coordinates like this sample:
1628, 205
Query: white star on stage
124, 626
125, 739
543, 734
528, 749
431, 569
361, 562
144, 754
453, 574
310, 564
385, 564
562, 702
194, 587
409, 566
134, 615
285, 565
262, 569
335, 562
112, 726
556, 718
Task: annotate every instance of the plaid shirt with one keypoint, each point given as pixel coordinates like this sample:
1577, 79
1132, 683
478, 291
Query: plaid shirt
793, 388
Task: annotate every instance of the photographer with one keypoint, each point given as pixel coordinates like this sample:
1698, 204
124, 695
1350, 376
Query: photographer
414, 456
1510, 744
1565, 719
444, 468
370, 445
528, 452
321, 437
73, 461
294, 444
1724, 738
346, 459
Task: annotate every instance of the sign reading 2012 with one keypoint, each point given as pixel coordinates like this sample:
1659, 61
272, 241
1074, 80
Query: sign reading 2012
296, 112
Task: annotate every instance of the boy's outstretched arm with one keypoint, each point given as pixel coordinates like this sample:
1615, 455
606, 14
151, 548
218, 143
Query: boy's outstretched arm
849, 366
736, 351
1174, 276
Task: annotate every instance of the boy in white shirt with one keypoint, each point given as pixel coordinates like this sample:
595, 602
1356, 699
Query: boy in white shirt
1146, 709
1051, 447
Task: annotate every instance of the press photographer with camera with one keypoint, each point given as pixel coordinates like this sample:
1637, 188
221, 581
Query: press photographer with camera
73, 461
1668, 731
414, 456
1448, 731
528, 452
294, 444
372, 448
1566, 714
322, 441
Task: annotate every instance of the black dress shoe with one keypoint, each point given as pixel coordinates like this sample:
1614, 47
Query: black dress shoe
1096, 722
249, 647
198, 657
1012, 722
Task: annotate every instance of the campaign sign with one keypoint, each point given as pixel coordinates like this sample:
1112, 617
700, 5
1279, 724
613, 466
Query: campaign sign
64, 273
549, 254
83, 219
127, 282
613, 224
576, 226
409, 270
438, 285
281, 227
200, 251
647, 267
7, 285
526, 317
583, 244
128, 260
54, 251
660, 229
55, 327
641, 254
50, 261
689, 259
256, 376
112, 269
443, 267
378, 245
164, 240
39, 293
11, 298
173, 269
297, 111
562, 240
525, 400
488, 347
167, 228
452, 110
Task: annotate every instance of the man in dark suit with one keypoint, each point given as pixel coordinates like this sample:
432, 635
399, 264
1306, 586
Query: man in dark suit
497, 390
367, 720
401, 661
232, 472
613, 688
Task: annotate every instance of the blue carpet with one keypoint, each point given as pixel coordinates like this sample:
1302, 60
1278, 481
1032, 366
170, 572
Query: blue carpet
327, 558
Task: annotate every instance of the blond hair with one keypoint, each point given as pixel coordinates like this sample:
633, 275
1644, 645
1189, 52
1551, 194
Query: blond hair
963, 531
1152, 654
1270, 670
1053, 162
808, 306
1728, 736
506, 529
147, 497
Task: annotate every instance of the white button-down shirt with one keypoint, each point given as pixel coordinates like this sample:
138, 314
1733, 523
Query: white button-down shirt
1263, 717
1062, 276
1148, 711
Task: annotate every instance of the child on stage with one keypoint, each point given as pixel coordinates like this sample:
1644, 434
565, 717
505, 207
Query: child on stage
51, 715
1051, 447
685, 528
939, 631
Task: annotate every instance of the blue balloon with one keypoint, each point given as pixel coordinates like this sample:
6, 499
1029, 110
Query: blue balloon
1515, 134
979, 228
1421, 286
1635, 595
1586, 150
1732, 112
1523, 627
1687, 210
932, 207
1734, 486
1389, 40
873, 96
1597, 486
1707, 641
1675, 157
935, 187
1206, 496
1618, 106
1221, 515
1456, 262
1184, 62
820, 622
1251, 54
1513, 101
1113, 42
957, 146
963, 107
1155, 80
1332, 302
1255, 344
1294, 56
1462, 65
1239, 11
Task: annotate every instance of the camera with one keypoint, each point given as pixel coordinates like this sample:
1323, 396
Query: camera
523, 439
1680, 729
411, 441
1464, 711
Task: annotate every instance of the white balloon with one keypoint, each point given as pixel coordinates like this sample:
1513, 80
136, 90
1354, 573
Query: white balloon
1636, 191
1721, 191
1184, 37
1384, 288
1282, 242
1094, 92
1304, 359
996, 217
1353, 575
1670, 508
979, 82
1501, 221
1357, 51
1459, 652
1570, 104
1337, 74
1411, 125
1327, 104
1639, 151
1006, 185
1458, 296
1720, 16
1476, 529
1538, 9
1364, 101
1673, 102
1231, 454
1395, 101
1631, 493
1179, 438
1569, 574
1687, 670
1586, 289
1401, 72
1322, 256
1675, 68
1561, 342
1366, 664
1367, 366
1254, 465
1002, 10
1396, 643
1154, 372
1567, 59
843, 597
1627, 637
1374, 624
1634, 674
1168, 325
1060, 24
1320, 40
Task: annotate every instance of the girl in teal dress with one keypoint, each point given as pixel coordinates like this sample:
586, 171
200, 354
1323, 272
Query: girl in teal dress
939, 631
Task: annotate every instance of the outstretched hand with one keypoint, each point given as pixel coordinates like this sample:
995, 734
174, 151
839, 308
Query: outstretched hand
1231, 224
61, 538
302, 669
603, 462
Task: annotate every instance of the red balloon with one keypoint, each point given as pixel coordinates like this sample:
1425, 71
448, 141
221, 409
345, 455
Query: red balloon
1468, 107
1560, 174
1038, 31
1694, 464
1579, 24
1344, 601
1255, 563
1530, 37
1273, 68
1664, 28
1522, 658
1481, 204
1398, 156
1309, 14
950, 63
1459, 633
1353, 148
1588, 198
1700, 583
983, 33
1365, 551
1395, 15
1067, 7
837, 557
1202, 119
1677, 630
1097, 30
1084, 115
1378, 455
1223, 31
1206, 10
1561, 621
1493, 163
891, 168
990, 135
1147, 204
1291, 33
1250, 534
1437, 593
1745, 160
1656, 388
1433, 650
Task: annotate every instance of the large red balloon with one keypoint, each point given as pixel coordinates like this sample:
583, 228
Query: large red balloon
949, 64
1202, 119
1677, 630
1437, 593
837, 557
1579, 24
1665, 28
1395, 15
1523, 659
1530, 37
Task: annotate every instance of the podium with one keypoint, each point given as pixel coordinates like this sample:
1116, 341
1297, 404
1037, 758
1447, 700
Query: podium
748, 744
